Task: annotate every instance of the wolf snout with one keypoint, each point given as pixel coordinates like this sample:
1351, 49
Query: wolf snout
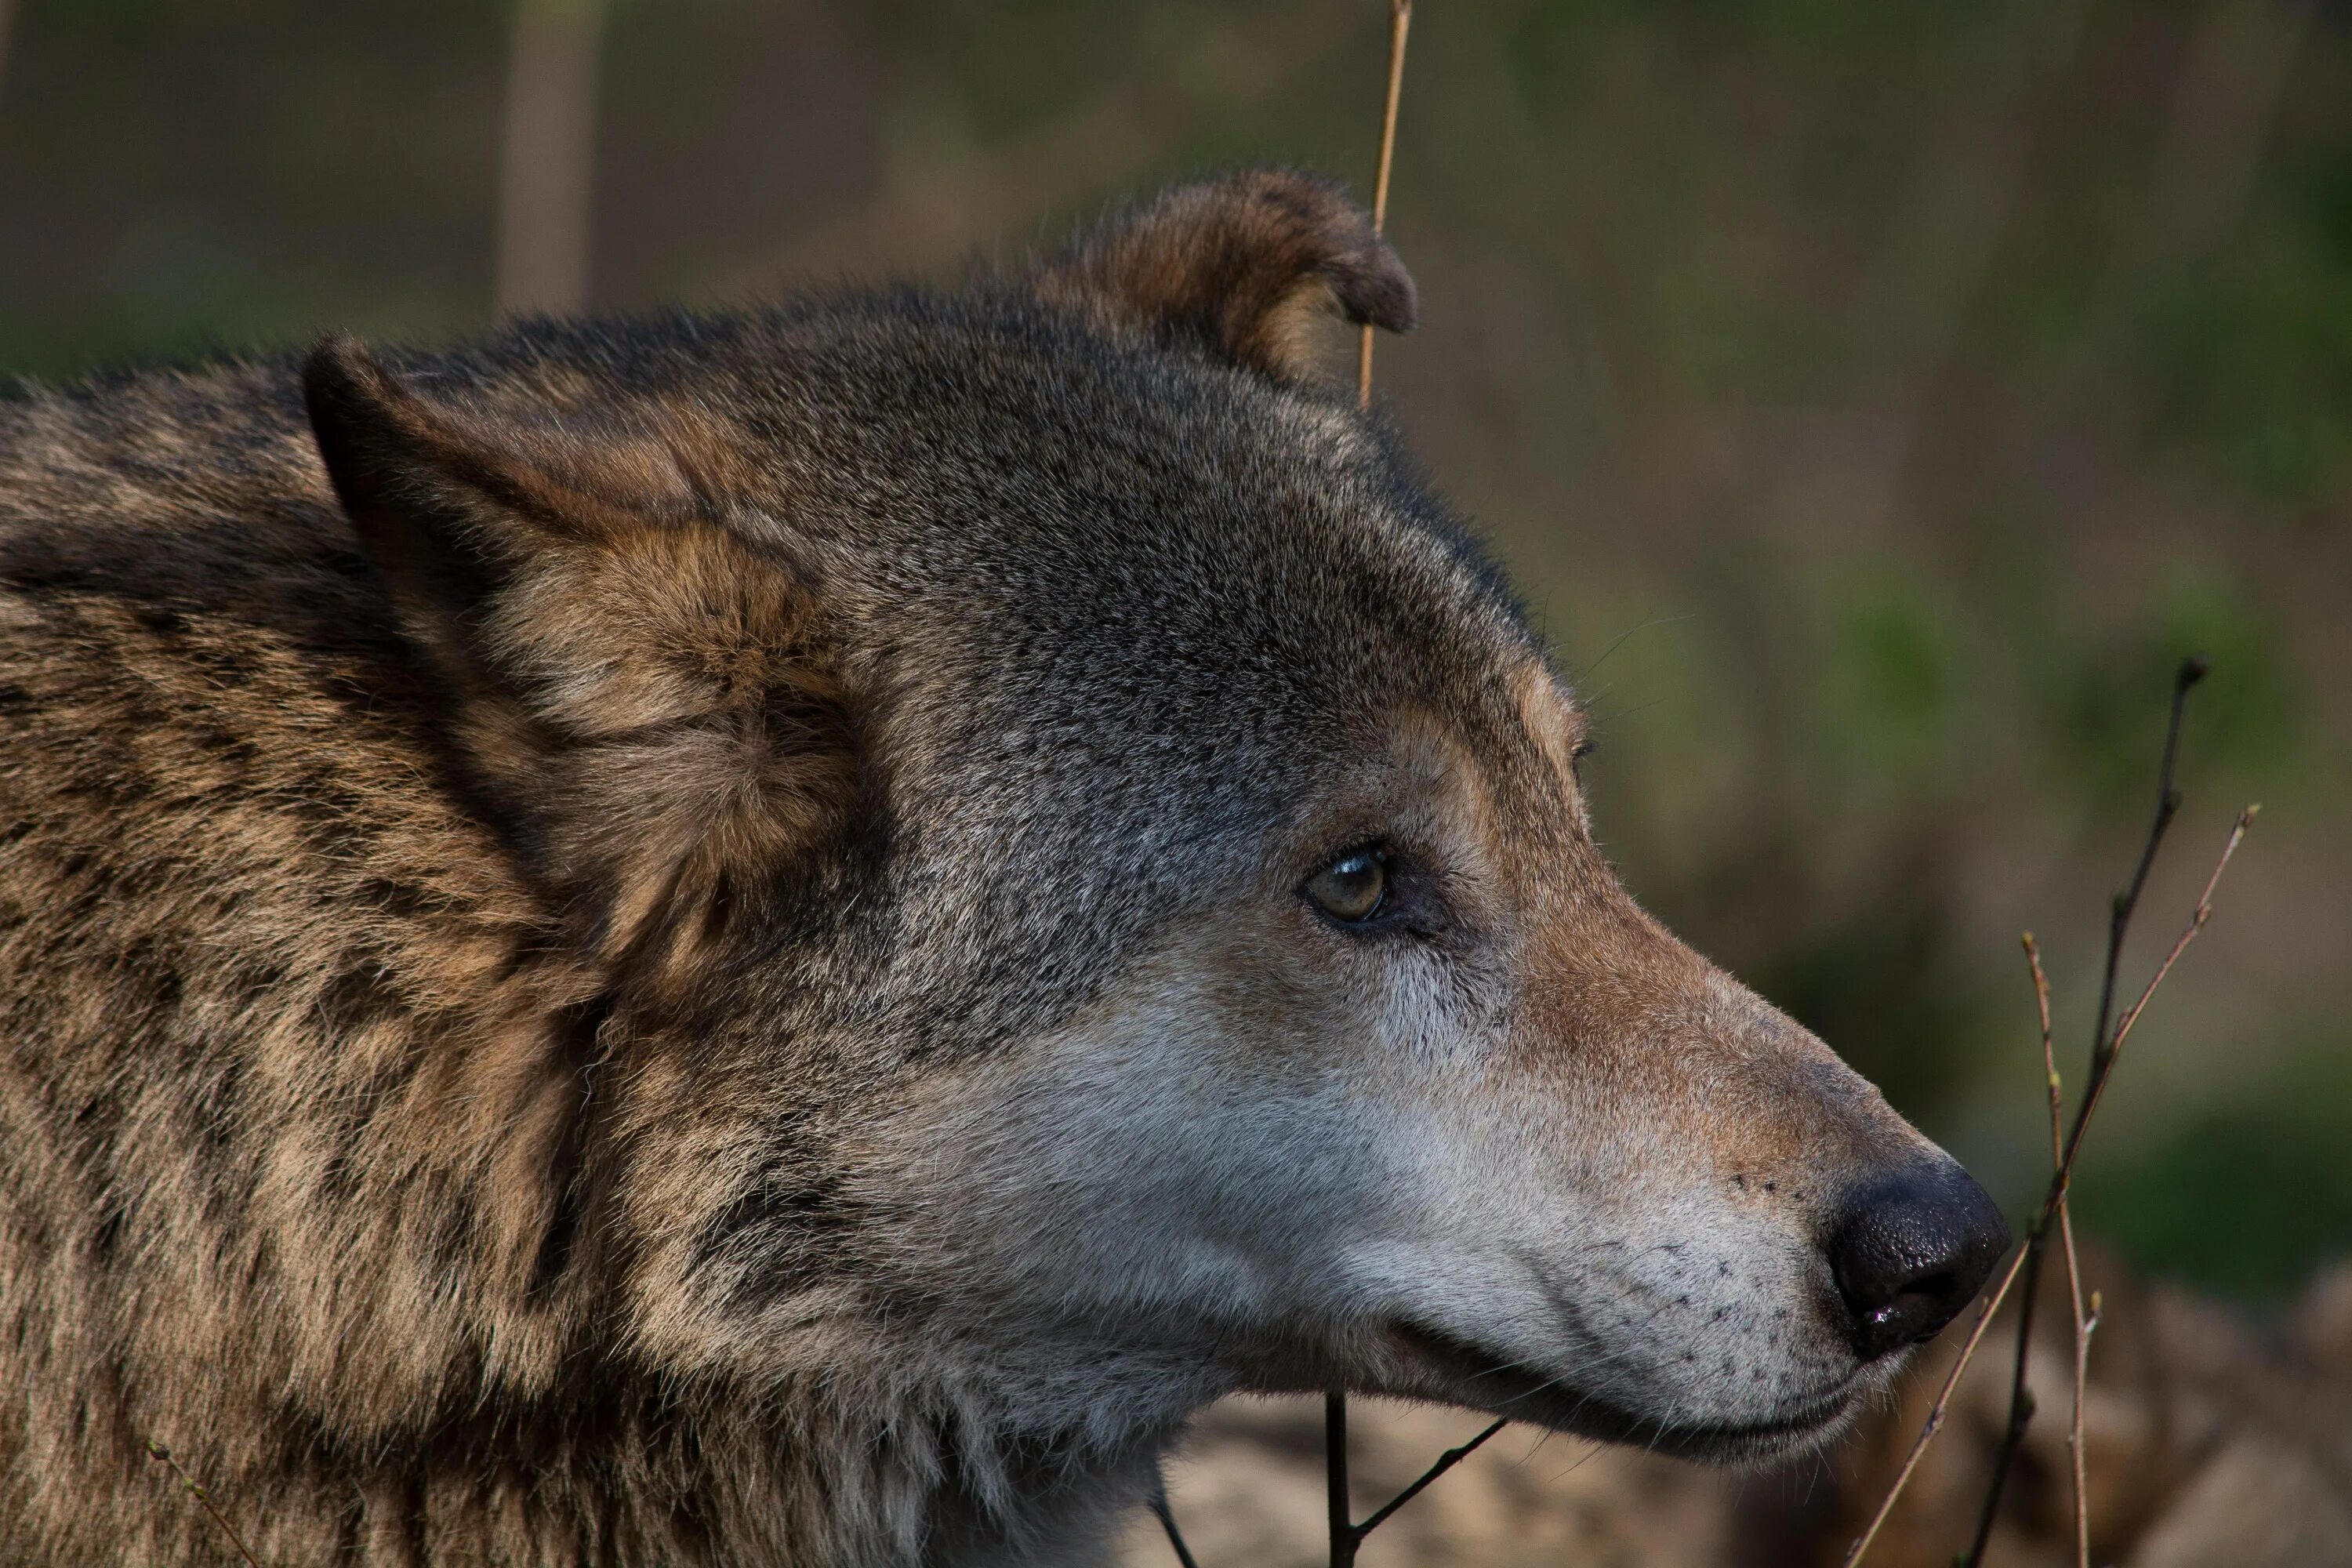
1909, 1251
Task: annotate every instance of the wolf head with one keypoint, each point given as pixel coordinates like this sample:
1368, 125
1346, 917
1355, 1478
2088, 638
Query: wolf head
1093, 898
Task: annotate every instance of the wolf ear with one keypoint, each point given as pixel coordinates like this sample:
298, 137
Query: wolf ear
645, 700
1244, 264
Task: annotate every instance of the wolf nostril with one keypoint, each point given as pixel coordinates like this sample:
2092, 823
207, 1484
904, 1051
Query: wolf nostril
1909, 1252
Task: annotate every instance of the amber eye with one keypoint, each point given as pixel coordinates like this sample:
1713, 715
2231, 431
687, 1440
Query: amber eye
1352, 887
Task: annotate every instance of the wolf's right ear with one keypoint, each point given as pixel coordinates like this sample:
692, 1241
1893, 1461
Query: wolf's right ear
1243, 265
449, 502
654, 705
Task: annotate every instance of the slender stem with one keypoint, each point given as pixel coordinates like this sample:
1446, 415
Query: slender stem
2086, 1324
1167, 1517
2021, 1400
197, 1491
2103, 1054
1445, 1461
1340, 1514
2168, 802
1934, 1422
2073, 1263
2049, 1055
2197, 919
1400, 22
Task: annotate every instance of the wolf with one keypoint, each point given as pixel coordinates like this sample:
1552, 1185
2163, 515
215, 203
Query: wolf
788, 936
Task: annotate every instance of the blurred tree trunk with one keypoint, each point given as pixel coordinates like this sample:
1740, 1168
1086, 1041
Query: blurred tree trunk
8, 22
547, 160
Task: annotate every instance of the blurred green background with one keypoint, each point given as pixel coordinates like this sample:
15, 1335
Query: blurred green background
1876, 400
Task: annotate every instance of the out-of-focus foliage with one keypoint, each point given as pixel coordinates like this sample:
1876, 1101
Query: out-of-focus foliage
1875, 401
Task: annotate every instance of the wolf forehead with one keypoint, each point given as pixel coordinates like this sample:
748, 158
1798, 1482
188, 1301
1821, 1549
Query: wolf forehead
1179, 547
1098, 553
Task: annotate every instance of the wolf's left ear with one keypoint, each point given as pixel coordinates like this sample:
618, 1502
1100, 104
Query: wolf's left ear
1242, 263
651, 705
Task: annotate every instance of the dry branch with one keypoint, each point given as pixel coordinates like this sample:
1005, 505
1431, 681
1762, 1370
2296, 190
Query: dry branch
2087, 1323
1445, 1461
1936, 1413
1346, 1534
1167, 1517
2103, 1056
2103, 1063
195, 1489
2073, 1261
1340, 1514
2108, 1046
1400, 22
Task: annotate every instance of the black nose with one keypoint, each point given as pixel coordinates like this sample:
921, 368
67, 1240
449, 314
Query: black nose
1909, 1252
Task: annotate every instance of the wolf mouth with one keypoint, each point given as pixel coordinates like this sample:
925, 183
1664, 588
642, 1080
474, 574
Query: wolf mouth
1481, 1380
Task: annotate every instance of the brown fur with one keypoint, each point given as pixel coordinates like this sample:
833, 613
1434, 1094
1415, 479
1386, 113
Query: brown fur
1247, 266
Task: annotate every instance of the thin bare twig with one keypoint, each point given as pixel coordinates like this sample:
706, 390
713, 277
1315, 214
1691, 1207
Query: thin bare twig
2074, 1262
195, 1489
2103, 1065
1167, 1517
1400, 22
2103, 1054
2049, 1056
2167, 804
1445, 1461
1346, 1534
1339, 1513
2087, 1323
2197, 919
2055, 1212
1936, 1413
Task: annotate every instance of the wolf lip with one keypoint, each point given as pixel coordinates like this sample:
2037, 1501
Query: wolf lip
1481, 1380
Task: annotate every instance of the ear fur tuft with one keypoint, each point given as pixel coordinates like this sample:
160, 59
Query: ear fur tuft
651, 701
1244, 264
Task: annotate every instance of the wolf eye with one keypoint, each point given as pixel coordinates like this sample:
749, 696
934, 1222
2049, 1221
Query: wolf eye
1353, 888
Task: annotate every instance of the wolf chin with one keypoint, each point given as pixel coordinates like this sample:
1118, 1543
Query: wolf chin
786, 937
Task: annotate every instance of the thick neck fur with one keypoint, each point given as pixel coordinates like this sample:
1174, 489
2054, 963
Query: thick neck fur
313, 1126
